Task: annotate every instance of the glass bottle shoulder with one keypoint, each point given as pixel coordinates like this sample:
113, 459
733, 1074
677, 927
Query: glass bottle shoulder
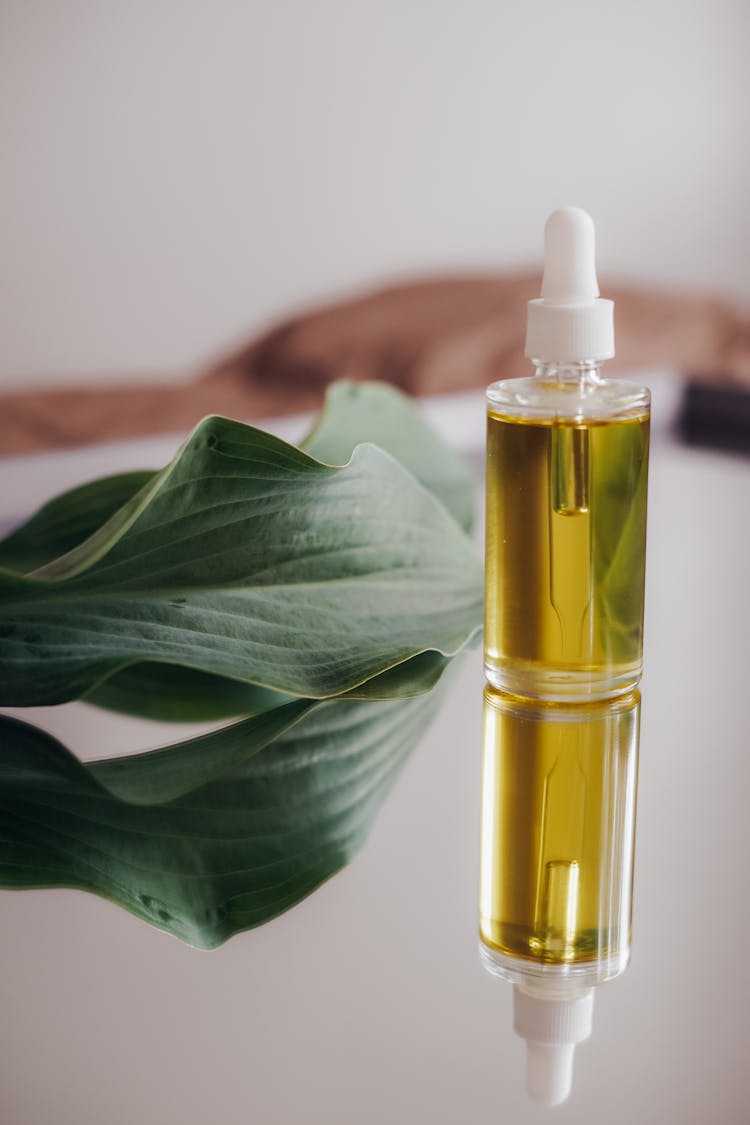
549, 397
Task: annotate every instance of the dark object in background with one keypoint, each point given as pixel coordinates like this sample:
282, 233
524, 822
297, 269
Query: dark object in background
716, 416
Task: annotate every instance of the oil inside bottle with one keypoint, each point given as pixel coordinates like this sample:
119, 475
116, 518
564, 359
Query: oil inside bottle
558, 823
565, 550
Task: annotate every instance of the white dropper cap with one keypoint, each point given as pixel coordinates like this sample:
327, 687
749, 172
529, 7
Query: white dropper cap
551, 1028
570, 322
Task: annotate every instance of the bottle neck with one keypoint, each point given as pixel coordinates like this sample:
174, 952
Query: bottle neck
586, 373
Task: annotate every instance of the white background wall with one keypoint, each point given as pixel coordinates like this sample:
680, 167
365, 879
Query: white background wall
178, 172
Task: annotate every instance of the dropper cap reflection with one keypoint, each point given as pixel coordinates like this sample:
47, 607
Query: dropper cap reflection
552, 1028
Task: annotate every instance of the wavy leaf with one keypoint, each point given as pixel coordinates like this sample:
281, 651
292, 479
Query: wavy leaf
213, 836
375, 412
248, 559
63, 523
171, 694
244, 575
354, 412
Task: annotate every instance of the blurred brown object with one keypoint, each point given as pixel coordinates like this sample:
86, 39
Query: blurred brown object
427, 337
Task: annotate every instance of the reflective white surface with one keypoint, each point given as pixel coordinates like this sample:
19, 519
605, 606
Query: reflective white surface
366, 1003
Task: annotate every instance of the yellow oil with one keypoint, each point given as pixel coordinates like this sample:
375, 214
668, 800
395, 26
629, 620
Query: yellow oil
565, 555
558, 825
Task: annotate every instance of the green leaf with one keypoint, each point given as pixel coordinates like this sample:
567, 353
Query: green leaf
213, 836
247, 558
172, 694
182, 695
67, 520
354, 412
380, 414
240, 577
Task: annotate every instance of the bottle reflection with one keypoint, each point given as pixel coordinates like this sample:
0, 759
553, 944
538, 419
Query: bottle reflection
558, 825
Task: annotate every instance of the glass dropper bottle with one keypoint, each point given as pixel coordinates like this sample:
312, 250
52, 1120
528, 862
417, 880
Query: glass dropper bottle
567, 467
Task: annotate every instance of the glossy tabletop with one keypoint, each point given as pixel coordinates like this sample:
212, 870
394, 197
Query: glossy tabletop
366, 1003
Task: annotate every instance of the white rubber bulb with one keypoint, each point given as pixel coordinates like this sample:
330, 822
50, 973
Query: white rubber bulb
569, 257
